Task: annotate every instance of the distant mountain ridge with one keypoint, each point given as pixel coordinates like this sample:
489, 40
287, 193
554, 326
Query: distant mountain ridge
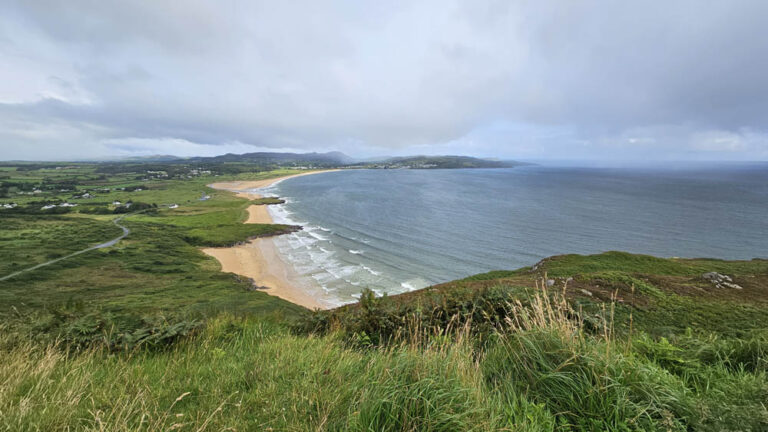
340, 159
445, 162
333, 157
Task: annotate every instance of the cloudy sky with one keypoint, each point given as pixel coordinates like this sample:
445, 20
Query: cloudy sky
564, 79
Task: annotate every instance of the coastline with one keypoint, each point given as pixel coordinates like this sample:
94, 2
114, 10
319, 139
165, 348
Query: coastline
259, 259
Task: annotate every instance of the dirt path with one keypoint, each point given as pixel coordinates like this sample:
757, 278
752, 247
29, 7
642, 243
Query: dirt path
112, 242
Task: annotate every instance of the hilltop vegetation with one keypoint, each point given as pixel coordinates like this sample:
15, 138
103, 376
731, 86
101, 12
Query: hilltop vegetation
665, 297
440, 162
150, 335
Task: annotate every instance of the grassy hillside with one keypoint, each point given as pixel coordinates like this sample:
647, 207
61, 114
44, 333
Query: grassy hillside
150, 335
664, 296
156, 270
499, 351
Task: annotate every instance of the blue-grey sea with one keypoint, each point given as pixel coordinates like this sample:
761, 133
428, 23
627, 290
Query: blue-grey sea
400, 230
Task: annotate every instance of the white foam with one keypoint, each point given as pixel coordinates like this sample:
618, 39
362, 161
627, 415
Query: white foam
414, 284
371, 271
317, 236
313, 254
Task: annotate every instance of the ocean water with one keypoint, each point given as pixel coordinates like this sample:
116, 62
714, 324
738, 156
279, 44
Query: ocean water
399, 230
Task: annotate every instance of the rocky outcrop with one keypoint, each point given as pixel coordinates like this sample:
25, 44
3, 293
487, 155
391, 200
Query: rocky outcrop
720, 280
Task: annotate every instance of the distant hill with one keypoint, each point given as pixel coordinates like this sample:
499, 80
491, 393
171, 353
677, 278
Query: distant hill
329, 158
234, 163
338, 159
442, 162
152, 158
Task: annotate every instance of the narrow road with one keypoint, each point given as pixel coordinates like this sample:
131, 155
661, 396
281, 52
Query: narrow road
112, 242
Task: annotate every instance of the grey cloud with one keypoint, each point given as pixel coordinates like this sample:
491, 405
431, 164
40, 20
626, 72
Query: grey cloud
571, 78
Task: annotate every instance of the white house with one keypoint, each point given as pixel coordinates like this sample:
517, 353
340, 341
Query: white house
173, 206
48, 207
67, 205
116, 203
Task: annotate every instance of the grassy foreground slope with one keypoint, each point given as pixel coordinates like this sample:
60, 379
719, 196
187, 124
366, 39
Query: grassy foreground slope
499, 351
150, 335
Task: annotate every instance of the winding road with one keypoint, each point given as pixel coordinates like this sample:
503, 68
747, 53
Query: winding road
112, 242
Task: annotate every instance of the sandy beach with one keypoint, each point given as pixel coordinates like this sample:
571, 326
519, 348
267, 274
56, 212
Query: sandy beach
259, 259
241, 188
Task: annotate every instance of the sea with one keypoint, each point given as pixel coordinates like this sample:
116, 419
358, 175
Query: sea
395, 231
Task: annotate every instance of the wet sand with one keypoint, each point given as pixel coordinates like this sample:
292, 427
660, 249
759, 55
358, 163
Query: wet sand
259, 259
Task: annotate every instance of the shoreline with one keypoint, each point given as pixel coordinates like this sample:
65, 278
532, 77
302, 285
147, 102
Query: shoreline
259, 259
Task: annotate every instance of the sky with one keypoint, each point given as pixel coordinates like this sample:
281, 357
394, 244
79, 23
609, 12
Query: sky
570, 79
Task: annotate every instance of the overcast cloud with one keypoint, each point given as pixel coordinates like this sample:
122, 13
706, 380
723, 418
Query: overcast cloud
560, 79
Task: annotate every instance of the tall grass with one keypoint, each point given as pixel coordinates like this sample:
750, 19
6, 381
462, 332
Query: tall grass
541, 369
244, 375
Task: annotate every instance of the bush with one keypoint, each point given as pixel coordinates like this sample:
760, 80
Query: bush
77, 329
381, 321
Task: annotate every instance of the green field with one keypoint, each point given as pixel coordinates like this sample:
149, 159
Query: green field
150, 335
156, 269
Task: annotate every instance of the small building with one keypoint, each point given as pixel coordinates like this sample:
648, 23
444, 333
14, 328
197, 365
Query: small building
173, 206
48, 207
66, 204
116, 203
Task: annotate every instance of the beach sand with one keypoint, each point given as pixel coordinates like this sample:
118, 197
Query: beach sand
258, 214
241, 187
259, 259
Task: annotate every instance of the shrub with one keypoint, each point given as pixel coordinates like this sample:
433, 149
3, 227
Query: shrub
381, 321
76, 329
